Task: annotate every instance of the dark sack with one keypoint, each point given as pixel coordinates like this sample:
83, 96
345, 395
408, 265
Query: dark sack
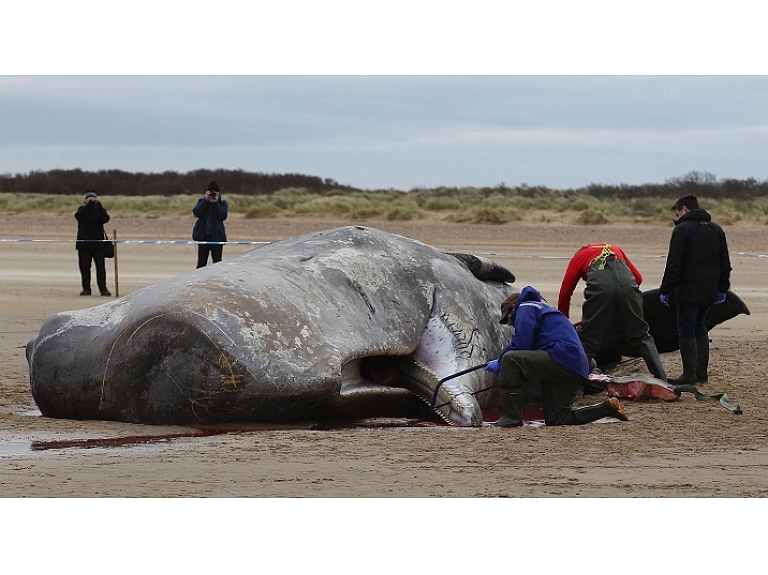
109, 247
198, 231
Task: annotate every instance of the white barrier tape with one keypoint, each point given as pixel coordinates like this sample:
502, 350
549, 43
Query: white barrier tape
748, 254
165, 242
192, 242
751, 255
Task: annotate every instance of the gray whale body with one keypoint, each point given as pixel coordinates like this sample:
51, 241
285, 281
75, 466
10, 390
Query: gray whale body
342, 324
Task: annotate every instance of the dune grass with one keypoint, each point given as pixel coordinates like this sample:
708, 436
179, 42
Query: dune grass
460, 205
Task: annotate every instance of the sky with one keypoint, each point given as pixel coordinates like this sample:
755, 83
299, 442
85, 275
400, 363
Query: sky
404, 98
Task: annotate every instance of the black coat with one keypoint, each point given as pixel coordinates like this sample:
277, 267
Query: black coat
91, 218
210, 220
698, 266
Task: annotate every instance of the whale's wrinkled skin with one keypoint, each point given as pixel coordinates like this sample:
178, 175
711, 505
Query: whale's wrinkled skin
341, 324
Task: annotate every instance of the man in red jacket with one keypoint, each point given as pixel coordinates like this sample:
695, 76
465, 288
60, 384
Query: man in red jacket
613, 303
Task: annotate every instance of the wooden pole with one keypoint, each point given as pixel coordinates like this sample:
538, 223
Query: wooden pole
117, 282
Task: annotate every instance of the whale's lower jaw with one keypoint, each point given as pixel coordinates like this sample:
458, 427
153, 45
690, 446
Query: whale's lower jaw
454, 404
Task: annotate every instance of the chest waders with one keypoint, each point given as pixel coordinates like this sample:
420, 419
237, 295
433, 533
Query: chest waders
613, 305
522, 368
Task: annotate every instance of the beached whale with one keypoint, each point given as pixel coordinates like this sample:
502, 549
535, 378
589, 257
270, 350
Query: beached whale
342, 324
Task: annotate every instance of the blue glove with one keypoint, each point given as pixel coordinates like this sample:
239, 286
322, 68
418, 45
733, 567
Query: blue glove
720, 298
664, 299
494, 366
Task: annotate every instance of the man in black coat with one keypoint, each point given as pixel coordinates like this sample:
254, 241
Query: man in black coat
698, 274
91, 217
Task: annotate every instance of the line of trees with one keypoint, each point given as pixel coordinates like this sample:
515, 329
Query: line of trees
121, 183
701, 184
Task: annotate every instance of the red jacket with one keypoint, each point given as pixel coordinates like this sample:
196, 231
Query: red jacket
577, 269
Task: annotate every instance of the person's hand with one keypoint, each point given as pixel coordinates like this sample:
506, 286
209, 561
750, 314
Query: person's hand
494, 366
720, 298
664, 299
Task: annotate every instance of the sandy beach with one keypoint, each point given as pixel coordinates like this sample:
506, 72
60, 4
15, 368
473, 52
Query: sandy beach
681, 449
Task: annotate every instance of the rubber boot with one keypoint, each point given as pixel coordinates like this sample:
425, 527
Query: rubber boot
608, 408
688, 355
647, 349
511, 408
653, 361
702, 358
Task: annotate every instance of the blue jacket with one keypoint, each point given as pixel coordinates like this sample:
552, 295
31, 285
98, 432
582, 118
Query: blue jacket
210, 220
540, 326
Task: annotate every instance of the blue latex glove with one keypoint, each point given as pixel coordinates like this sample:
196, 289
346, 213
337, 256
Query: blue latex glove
664, 299
494, 366
720, 298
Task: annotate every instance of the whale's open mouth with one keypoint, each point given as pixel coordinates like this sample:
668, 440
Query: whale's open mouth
396, 375
378, 374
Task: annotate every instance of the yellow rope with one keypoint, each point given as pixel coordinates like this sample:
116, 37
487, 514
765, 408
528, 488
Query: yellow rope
607, 251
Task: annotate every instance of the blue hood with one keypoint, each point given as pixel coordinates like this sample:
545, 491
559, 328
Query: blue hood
540, 326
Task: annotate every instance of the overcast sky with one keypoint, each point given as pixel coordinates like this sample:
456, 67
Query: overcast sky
434, 126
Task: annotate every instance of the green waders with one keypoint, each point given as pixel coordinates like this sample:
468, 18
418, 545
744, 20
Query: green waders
511, 407
608, 408
613, 304
559, 387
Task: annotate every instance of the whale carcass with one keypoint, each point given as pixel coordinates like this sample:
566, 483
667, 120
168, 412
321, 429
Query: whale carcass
347, 323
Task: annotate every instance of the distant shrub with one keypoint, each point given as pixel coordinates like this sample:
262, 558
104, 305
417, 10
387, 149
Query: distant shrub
334, 206
265, 210
592, 217
365, 212
645, 207
403, 213
728, 217
489, 216
583, 203
440, 204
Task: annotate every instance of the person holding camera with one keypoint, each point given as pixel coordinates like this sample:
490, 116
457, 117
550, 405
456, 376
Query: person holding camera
91, 217
211, 211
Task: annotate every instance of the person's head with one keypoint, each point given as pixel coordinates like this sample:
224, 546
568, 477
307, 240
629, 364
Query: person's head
685, 205
508, 309
90, 196
213, 190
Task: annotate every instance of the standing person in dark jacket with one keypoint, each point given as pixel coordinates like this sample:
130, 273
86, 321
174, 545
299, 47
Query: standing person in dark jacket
698, 275
545, 350
613, 303
91, 217
211, 211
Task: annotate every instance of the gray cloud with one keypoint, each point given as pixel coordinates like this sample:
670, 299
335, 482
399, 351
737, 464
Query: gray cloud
392, 131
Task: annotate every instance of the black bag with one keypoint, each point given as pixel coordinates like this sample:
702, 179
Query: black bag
109, 247
198, 231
